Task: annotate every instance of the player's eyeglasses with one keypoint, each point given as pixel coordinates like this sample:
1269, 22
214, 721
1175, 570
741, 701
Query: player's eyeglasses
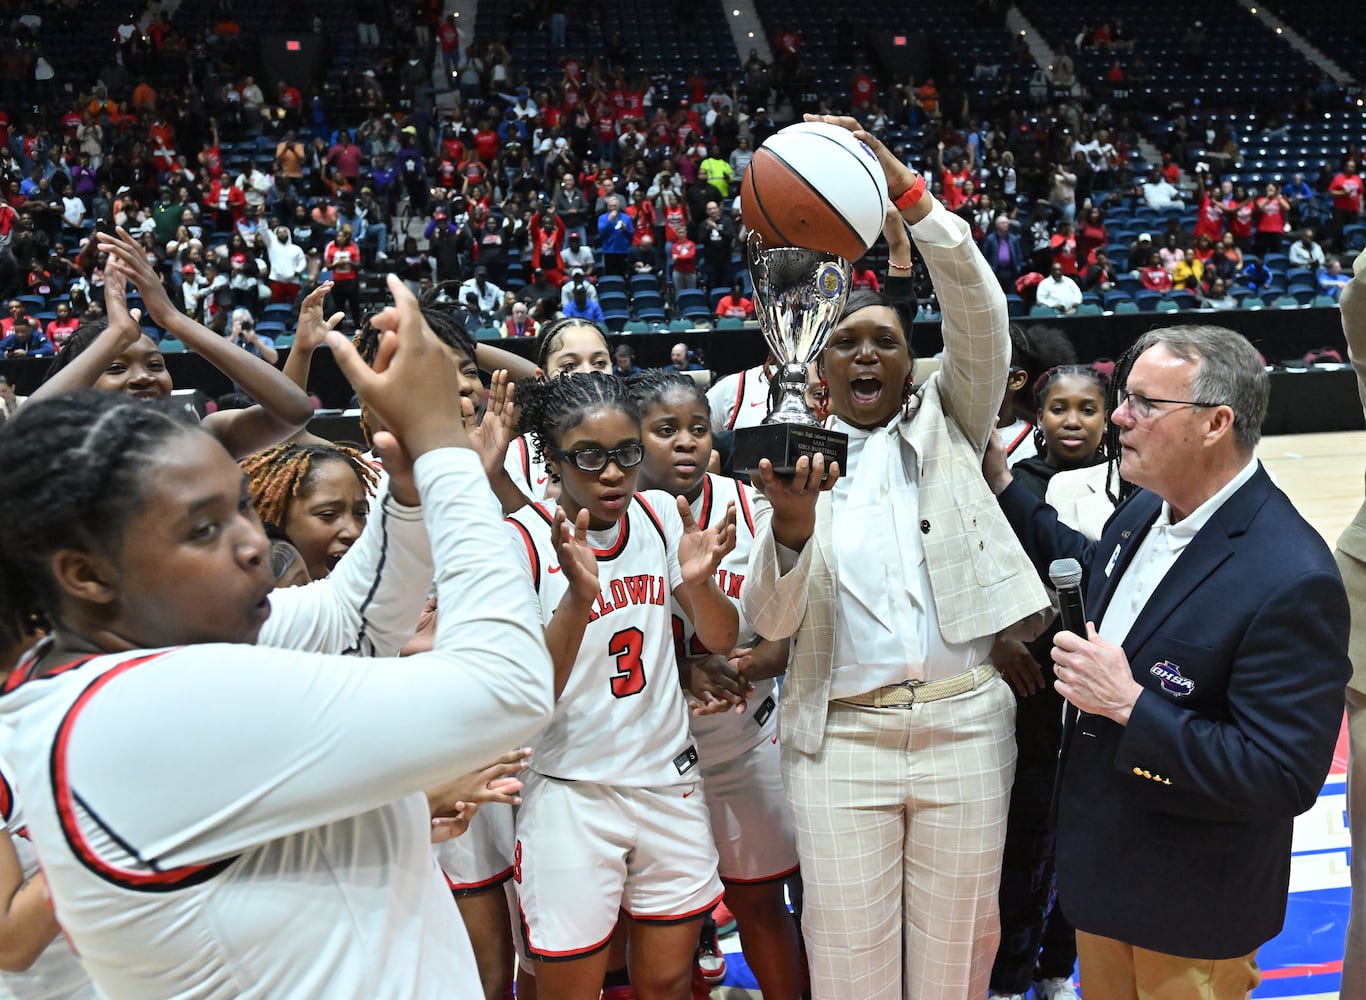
627, 456
1142, 406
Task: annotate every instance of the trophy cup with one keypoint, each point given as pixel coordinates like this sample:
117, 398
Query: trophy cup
798, 297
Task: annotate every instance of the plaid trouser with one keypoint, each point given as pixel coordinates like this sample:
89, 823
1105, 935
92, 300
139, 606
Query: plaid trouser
900, 819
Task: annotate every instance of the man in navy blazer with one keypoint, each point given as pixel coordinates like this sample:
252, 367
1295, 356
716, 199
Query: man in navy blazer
1210, 697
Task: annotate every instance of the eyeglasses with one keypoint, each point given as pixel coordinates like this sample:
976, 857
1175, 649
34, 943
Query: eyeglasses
1142, 406
628, 456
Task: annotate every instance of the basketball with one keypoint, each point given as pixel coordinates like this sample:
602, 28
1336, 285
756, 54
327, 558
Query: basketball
815, 186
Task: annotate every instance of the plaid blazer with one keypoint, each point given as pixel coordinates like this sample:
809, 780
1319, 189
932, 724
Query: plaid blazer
1351, 549
982, 582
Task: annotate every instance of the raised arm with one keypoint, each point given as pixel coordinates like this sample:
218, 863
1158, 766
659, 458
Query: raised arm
313, 327
333, 737
283, 408
122, 333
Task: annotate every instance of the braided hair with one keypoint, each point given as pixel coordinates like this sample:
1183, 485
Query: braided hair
1039, 391
550, 338
552, 407
653, 384
449, 329
1117, 488
103, 443
278, 474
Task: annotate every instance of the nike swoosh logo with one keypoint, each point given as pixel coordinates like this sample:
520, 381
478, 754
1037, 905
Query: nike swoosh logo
690, 791
774, 740
554, 569
540, 480
760, 403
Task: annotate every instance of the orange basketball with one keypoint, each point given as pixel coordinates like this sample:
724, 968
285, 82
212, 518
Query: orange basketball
814, 186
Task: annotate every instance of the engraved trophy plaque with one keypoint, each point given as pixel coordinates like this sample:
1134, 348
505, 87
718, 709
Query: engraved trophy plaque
798, 297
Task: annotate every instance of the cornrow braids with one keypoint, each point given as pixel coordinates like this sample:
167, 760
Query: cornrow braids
653, 384
278, 474
1046, 380
448, 329
102, 444
552, 335
552, 407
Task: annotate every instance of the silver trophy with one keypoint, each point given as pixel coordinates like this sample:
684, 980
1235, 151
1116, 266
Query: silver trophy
798, 297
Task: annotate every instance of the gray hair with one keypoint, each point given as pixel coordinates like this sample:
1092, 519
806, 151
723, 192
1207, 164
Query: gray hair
1229, 373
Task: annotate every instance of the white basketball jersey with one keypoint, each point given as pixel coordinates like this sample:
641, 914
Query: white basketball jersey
355, 908
725, 736
739, 400
524, 464
622, 718
56, 974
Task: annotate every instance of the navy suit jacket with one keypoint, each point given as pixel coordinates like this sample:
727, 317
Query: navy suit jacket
1174, 831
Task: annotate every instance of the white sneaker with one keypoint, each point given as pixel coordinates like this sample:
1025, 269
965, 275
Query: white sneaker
1059, 988
993, 995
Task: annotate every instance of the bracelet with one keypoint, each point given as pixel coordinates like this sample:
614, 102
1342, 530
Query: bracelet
911, 195
900, 267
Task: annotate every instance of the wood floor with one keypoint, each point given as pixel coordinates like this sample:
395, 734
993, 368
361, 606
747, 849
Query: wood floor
1321, 473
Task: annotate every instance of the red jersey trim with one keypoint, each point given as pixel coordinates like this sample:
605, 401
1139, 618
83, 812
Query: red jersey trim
1028, 429
654, 519
6, 799
530, 553
745, 508
705, 512
610, 553
760, 881
739, 398
465, 888
526, 458
24, 671
542, 955
155, 881
677, 918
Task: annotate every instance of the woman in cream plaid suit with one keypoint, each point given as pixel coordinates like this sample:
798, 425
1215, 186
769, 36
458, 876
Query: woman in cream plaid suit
892, 579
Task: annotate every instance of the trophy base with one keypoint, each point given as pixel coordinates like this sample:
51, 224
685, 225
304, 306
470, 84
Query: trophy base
783, 444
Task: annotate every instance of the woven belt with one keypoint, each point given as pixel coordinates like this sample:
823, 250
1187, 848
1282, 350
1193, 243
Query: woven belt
909, 693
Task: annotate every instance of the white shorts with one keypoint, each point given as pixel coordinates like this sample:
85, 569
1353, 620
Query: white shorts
482, 856
750, 820
586, 851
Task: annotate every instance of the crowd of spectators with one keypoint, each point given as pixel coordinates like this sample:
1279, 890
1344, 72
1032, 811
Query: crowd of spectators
453, 166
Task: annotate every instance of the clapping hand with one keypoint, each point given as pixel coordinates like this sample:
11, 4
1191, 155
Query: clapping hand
700, 552
577, 559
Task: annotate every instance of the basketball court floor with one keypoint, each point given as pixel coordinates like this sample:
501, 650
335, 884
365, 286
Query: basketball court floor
1323, 475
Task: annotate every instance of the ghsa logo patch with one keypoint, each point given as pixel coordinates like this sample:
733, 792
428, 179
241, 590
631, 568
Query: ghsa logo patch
1175, 683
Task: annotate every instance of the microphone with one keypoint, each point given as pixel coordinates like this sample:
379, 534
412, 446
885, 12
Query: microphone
1065, 575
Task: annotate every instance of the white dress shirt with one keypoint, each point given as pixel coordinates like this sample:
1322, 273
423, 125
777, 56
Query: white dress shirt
1157, 553
886, 629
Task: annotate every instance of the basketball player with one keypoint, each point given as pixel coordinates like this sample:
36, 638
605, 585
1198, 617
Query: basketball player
614, 817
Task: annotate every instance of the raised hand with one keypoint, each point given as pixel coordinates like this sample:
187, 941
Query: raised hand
577, 560
314, 325
123, 325
700, 552
413, 378
132, 260
497, 429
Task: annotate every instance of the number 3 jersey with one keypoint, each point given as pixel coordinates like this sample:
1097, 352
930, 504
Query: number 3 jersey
622, 718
